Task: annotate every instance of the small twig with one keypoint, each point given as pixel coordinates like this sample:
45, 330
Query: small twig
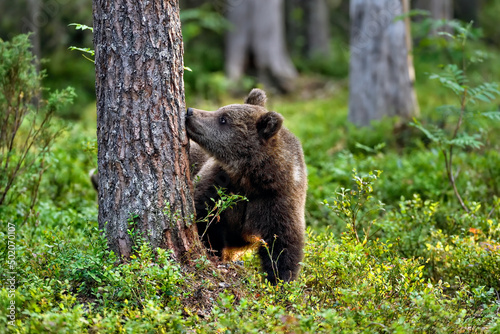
448, 162
354, 227
449, 157
492, 210
371, 235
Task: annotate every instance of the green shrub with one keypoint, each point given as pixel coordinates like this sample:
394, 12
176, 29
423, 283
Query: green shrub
472, 259
463, 134
423, 266
371, 288
356, 206
410, 225
28, 130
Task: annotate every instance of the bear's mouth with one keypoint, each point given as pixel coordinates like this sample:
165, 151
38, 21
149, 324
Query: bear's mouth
192, 133
191, 129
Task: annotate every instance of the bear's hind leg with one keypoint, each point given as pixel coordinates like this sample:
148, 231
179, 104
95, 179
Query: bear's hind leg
212, 237
280, 261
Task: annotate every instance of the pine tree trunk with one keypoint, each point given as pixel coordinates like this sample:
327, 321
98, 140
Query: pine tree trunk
380, 83
143, 167
258, 30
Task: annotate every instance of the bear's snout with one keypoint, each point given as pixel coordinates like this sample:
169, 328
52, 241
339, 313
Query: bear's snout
189, 112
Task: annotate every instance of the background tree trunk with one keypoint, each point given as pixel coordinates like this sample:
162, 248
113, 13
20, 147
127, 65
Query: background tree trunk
318, 26
295, 27
258, 34
34, 7
380, 83
143, 162
439, 9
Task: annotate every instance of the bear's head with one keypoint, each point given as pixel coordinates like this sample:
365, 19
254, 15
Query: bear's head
235, 132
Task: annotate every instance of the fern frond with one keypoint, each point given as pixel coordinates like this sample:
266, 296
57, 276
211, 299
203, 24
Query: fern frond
465, 140
453, 78
486, 92
434, 133
493, 115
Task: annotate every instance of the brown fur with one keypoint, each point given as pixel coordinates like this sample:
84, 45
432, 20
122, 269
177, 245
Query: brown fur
250, 153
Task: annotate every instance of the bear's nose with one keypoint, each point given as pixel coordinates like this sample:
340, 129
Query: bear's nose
189, 112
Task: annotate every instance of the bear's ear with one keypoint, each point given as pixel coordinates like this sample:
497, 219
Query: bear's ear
257, 97
269, 124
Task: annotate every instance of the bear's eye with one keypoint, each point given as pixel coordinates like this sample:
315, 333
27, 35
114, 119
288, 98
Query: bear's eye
222, 120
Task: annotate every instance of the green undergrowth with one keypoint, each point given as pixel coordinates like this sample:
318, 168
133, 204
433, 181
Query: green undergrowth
345, 286
389, 249
425, 267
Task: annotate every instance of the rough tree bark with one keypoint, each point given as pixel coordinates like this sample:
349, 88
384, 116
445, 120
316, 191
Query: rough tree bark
380, 82
258, 32
143, 165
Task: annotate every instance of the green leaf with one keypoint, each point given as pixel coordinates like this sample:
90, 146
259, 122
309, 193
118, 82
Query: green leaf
79, 26
412, 13
427, 132
486, 92
465, 140
494, 115
85, 50
452, 78
364, 147
446, 34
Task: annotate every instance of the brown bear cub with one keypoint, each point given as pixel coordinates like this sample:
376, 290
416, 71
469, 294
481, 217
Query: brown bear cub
247, 151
